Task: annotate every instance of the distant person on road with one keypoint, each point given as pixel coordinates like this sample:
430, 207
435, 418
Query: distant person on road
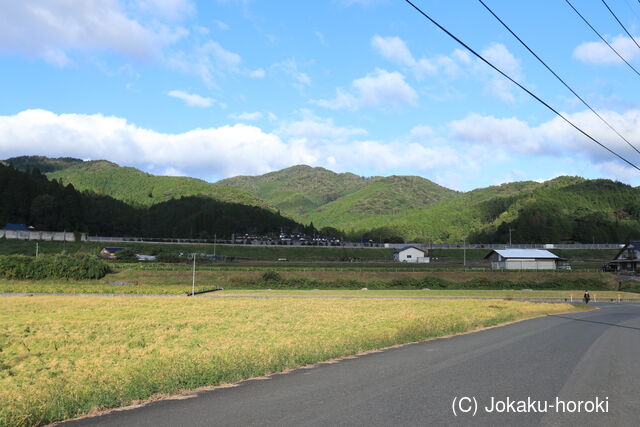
587, 297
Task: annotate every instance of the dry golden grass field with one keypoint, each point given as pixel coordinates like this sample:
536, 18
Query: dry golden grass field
62, 356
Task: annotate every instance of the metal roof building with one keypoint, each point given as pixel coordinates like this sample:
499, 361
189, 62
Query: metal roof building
523, 259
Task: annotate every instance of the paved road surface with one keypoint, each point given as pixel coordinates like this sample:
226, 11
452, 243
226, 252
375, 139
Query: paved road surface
585, 356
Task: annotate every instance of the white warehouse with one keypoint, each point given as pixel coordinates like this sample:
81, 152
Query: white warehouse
523, 259
410, 254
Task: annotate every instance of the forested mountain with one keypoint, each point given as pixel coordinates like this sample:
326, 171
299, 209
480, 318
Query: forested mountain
300, 189
30, 198
42, 163
566, 209
396, 208
318, 194
139, 188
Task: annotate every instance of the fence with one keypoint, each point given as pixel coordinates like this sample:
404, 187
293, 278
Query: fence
367, 245
58, 236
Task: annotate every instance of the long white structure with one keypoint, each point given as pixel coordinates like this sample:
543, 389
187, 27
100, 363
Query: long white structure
523, 259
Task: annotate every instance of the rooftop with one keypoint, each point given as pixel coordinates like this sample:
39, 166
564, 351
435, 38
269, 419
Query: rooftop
525, 253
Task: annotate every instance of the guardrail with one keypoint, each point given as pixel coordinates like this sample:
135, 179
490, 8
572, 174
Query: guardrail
550, 246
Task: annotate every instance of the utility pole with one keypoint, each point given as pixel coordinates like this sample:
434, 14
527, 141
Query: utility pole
214, 245
464, 250
193, 284
510, 230
36, 249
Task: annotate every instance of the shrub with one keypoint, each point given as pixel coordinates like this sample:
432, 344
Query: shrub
58, 266
271, 276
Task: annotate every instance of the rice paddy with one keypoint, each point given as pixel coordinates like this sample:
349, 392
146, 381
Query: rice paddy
62, 356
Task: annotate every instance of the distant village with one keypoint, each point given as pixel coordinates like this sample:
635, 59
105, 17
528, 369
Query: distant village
501, 256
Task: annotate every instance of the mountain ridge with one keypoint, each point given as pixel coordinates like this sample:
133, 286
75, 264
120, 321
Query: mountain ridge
393, 208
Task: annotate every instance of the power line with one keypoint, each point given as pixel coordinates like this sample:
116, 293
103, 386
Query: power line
536, 97
602, 38
623, 27
557, 76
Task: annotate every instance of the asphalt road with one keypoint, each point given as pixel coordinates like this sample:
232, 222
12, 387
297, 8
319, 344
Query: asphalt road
590, 357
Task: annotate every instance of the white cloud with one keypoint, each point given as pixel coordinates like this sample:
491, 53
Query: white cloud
557, 139
420, 133
378, 89
500, 56
394, 49
172, 172
172, 10
321, 38
222, 151
498, 85
246, 117
257, 74
208, 61
223, 26
600, 53
54, 30
214, 152
458, 64
290, 68
192, 99
461, 155
313, 130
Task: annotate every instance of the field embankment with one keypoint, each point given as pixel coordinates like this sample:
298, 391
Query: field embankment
135, 279
64, 356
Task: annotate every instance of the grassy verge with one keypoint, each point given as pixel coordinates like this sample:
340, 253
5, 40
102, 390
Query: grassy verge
448, 293
134, 280
64, 356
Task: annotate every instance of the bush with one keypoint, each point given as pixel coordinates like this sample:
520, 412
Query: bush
271, 276
58, 266
127, 255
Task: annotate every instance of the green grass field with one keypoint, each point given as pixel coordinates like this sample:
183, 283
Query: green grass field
66, 356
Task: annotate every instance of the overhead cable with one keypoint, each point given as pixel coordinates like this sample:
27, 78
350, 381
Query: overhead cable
621, 24
602, 38
536, 97
558, 77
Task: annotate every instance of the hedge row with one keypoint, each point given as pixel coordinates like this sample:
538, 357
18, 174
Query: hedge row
273, 280
59, 266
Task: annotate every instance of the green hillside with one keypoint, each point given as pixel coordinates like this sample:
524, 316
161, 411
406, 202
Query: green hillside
30, 198
42, 163
394, 195
445, 221
318, 194
138, 188
300, 189
566, 209
396, 208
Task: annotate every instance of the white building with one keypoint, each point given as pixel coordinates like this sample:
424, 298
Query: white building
523, 259
410, 254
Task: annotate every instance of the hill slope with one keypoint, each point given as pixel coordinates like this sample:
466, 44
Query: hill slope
318, 194
42, 163
30, 198
139, 188
394, 195
299, 189
565, 209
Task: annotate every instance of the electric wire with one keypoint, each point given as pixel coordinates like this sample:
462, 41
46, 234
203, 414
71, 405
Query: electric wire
536, 97
619, 22
602, 38
558, 77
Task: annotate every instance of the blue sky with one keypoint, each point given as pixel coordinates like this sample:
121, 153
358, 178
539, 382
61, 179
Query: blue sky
219, 88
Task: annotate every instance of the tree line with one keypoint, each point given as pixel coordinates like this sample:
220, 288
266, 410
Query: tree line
30, 198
